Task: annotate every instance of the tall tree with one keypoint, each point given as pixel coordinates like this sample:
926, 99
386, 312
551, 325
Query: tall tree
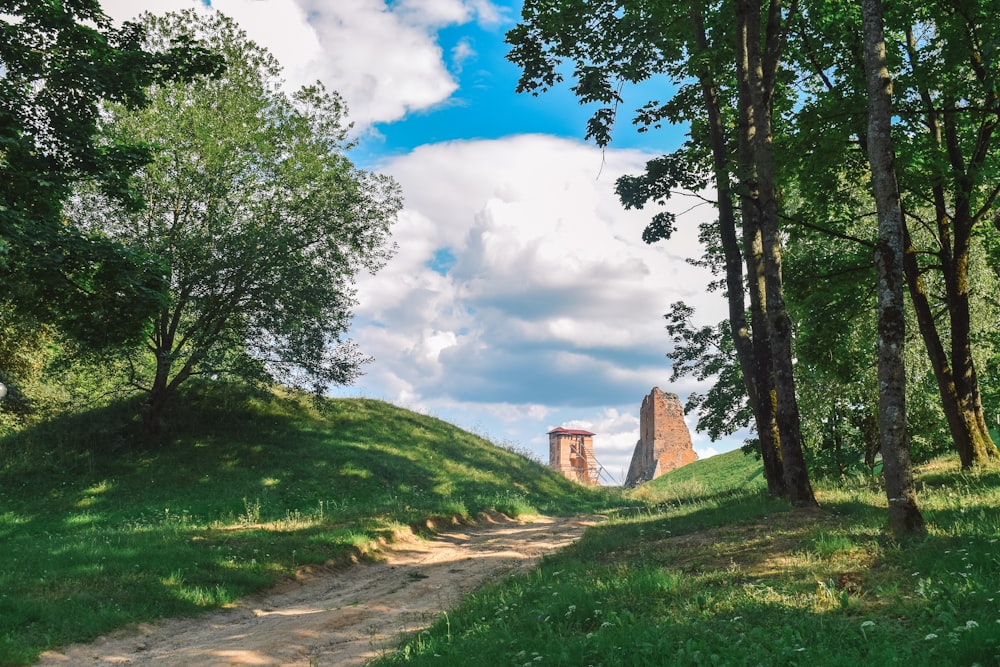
959, 105
262, 221
904, 515
939, 54
611, 43
58, 60
758, 60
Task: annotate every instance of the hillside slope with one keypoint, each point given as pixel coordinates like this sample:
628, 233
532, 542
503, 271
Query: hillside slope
246, 489
717, 475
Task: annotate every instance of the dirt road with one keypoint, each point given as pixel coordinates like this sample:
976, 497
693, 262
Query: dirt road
339, 618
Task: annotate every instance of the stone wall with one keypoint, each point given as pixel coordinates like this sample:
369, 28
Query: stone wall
664, 440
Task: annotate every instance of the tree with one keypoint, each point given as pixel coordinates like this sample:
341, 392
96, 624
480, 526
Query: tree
904, 516
58, 60
259, 216
610, 43
947, 112
953, 90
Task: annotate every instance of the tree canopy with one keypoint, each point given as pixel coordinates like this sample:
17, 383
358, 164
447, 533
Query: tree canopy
58, 62
260, 219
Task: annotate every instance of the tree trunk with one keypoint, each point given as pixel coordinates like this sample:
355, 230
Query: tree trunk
956, 375
745, 338
963, 424
152, 415
979, 445
770, 442
904, 515
756, 75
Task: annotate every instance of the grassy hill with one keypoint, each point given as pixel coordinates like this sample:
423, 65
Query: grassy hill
699, 567
98, 532
731, 472
708, 570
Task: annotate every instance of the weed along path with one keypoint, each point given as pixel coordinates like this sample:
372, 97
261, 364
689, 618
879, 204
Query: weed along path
343, 617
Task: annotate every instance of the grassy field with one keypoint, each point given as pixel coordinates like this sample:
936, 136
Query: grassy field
707, 570
699, 567
97, 534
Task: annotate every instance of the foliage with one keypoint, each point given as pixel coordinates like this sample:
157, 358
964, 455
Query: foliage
720, 574
945, 106
253, 486
707, 353
261, 220
59, 60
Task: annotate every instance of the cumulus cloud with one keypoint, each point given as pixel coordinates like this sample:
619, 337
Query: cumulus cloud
549, 296
384, 59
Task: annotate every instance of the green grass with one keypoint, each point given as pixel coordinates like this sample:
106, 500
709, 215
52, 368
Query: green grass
699, 567
98, 533
720, 574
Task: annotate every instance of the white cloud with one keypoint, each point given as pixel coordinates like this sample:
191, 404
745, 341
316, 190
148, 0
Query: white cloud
460, 53
385, 60
552, 299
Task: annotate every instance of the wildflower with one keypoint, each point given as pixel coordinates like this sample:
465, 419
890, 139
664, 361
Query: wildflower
868, 624
606, 624
930, 636
969, 625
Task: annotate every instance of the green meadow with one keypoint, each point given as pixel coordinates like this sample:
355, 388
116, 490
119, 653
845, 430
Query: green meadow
699, 567
247, 489
707, 570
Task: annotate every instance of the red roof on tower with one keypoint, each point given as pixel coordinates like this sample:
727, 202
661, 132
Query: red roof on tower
569, 431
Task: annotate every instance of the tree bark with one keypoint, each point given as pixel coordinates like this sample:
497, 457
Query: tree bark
746, 339
961, 424
904, 515
955, 371
152, 415
756, 75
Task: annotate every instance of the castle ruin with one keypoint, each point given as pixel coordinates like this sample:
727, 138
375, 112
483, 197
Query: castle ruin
664, 440
571, 453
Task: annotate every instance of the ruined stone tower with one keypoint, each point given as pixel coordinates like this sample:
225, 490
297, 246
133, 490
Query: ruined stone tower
664, 440
571, 453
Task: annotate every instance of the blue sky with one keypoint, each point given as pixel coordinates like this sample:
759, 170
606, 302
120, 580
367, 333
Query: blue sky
485, 105
521, 296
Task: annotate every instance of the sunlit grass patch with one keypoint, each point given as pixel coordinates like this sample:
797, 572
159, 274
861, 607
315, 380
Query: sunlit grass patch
244, 489
726, 576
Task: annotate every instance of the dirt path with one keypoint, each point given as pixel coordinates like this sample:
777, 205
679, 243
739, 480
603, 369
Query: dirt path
340, 618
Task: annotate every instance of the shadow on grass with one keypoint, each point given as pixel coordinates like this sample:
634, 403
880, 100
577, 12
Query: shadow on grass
240, 490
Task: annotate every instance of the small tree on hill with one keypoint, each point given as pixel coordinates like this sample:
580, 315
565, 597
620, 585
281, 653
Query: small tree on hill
261, 220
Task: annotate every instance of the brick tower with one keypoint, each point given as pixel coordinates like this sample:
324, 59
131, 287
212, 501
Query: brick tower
664, 440
571, 453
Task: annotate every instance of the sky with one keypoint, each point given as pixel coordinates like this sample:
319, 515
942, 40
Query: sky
521, 296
